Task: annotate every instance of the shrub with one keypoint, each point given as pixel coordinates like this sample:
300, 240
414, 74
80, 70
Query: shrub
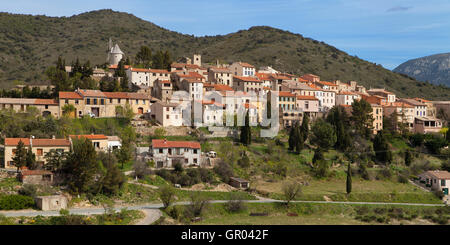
235, 204
196, 205
28, 190
402, 179
16, 202
439, 194
167, 195
224, 171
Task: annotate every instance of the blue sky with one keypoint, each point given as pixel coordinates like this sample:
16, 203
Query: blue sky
386, 32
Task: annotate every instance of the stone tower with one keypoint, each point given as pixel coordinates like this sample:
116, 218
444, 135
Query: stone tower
197, 59
114, 53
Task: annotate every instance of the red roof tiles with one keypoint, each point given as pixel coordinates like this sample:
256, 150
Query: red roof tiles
175, 144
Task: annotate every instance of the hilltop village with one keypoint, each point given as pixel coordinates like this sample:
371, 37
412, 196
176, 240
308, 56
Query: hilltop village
189, 123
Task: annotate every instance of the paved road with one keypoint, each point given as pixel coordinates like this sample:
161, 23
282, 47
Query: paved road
151, 215
89, 211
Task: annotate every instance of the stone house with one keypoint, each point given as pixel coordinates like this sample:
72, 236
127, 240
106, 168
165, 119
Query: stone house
242, 69
44, 106
36, 177
54, 202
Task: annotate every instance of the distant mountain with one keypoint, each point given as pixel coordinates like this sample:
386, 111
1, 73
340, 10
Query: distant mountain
434, 69
29, 44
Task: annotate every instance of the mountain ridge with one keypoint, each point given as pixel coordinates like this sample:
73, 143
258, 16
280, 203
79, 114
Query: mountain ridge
29, 44
433, 68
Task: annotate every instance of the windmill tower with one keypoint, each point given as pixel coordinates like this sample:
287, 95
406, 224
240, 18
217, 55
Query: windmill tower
114, 53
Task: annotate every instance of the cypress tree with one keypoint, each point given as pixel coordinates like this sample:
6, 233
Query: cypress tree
30, 159
408, 158
305, 127
246, 133
20, 156
349, 179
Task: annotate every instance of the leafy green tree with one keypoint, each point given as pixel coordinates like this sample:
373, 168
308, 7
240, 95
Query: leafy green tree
68, 109
81, 166
349, 179
167, 195
20, 156
244, 162
121, 73
291, 190
362, 117
381, 146
323, 134
435, 143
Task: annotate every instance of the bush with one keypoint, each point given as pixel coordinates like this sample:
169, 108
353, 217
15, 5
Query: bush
16, 202
224, 171
402, 179
385, 173
439, 194
28, 190
196, 205
236, 203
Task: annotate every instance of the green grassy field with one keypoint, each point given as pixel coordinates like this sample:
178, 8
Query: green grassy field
322, 214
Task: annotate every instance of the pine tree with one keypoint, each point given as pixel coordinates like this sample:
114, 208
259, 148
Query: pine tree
144, 56
20, 156
349, 179
61, 64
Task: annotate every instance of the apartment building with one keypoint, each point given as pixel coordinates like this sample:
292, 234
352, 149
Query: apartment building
390, 97
405, 113
194, 87
377, 114
420, 109
166, 153
308, 104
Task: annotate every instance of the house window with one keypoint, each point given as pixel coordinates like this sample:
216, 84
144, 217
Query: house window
76, 102
97, 144
46, 106
102, 101
95, 101
195, 160
160, 150
67, 101
195, 151
167, 117
40, 152
442, 182
118, 101
88, 101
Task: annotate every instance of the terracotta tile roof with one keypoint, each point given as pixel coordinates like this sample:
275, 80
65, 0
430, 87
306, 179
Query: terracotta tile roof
220, 70
184, 65
191, 80
222, 87
90, 136
304, 97
286, 94
263, 76
192, 75
208, 85
34, 172
45, 102
116, 95
115, 66
280, 77
398, 104
159, 71
175, 144
69, 95
140, 96
91, 93
328, 83
247, 79
211, 102
37, 142
25, 101
346, 93
439, 174
244, 64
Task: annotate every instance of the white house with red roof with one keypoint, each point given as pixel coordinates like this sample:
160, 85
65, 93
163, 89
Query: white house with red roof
146, 77
242, 69
167, 153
